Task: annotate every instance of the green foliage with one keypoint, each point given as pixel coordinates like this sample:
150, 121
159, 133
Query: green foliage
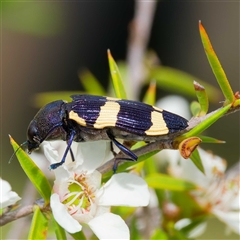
195, 157
216, 66
116, 78
206, 139
42, 99
39, 225
159, 234
35, 175
91, 84
176, 81
77, 236
188, 205
207, 122
195, 108
59, 231
202, 99
166, 182
150, 96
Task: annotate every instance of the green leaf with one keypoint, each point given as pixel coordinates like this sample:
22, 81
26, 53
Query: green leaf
59, 231
145, 162
163, 181
206, 139
39, 226
78, 235
42, 99
123, 211
190, 208
150, 95
176, 81
35, 175
195, 108
91, 84
140, 159
206, 123
159, 234
174, 234
195, 157
150, 166
116, 78
128, 165
236, 103
177, 235
202, 98
216, 66
134, 231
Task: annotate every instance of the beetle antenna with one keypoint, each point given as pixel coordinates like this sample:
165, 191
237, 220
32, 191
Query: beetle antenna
21, 145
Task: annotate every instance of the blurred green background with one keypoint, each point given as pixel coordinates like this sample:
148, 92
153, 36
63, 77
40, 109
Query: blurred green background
45, 44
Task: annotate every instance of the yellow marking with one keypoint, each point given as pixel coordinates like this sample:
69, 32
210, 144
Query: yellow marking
74, 116
108, 115
112, 99
159, 126
158, 109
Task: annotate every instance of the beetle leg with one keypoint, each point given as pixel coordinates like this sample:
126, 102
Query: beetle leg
112, 149
72, 156
117, 160
55, 165
124, 149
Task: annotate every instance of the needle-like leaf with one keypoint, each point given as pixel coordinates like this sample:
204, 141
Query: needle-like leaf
116, 78
216, 66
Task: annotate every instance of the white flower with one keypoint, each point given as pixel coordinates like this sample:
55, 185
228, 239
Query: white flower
79, 197
178, 105
219, 190
93, 153
224, 198
7, 197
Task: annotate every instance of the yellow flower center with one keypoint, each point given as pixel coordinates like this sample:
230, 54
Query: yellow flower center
80, 196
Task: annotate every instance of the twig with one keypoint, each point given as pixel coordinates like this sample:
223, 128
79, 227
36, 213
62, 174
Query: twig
140, 28
21, 212
153, 146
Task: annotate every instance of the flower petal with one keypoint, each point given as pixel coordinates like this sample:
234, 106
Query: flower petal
94, 180
62, 216
214, 167
55, 150
195, 232
94, 154
124, 189
5, 186
7, 197
109, 226
50, 152
231, 219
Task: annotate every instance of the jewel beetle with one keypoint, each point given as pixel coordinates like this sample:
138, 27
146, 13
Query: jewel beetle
92, 118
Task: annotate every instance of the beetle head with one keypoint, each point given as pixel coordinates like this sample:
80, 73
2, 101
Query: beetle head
44, 125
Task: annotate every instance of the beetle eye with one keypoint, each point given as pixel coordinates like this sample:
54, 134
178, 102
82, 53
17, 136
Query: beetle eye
32, 131
33, 137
